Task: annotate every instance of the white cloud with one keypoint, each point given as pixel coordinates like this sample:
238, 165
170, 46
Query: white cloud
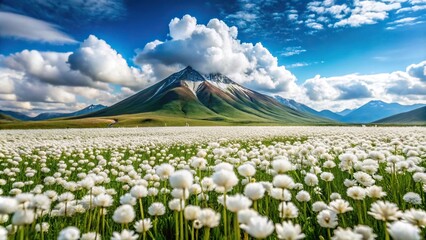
48, 67
299, 64
408, 21
368, 12
290, 51
417, 70
215, 48
23, 27
101, 63
315, 25
30, 79
412, 9
353, 90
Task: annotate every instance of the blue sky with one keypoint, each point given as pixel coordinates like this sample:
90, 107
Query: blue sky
321, 48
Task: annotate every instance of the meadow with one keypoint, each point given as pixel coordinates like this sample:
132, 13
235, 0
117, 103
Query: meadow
214, 183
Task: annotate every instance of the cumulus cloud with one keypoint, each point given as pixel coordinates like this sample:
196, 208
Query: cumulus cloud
353, 90
28, 28
418, 71
212, 48
101, 63
30, 78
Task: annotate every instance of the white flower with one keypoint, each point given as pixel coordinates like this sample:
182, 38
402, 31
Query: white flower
176, 205
385, 211
124, 235
346, 234
364, 179
258, 227
103, 200
181, 179
283, 181
3, 233
355, 192
23, 217
340, 206
366, 232
311, 179
69, 233
191, 212
319, 206
375, 192
139, 191
327, 219
413, 198
180, 193
280, 194
91, 236
124, 214
8, 205
327, 176
288, 210
416, 217
245, 215
41, 202
209, 218
303, 196
289, 231
164, 171
403, 231
282, 165
44, 226
246, 170
156, 209
334, 196
254, 191
237, 203
127, 199
142, 226
226, 179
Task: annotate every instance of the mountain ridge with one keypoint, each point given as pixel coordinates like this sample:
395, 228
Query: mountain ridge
189, 94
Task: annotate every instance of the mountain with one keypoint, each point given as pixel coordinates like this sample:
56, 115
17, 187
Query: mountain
303, 108
344, 112
16, 115
375, 110
212, 97
50, 115
413, 117
6, 118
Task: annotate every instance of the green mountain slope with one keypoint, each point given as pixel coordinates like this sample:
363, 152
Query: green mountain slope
6, 118
214, 97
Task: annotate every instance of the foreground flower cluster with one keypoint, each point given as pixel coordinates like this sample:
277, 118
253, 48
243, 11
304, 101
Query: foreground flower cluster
214, 183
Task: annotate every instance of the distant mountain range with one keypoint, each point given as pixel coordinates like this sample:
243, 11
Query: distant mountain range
367, 113
212, 97
189, 96
416, 116
50, 115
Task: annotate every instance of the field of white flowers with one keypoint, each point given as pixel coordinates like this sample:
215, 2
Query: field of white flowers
213, 183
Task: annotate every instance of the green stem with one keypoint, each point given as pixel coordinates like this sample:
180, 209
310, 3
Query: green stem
176, 225
207, 233
225, 222
181, 220
329, 233
141, 207
386, 231
359, 212
237, 227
